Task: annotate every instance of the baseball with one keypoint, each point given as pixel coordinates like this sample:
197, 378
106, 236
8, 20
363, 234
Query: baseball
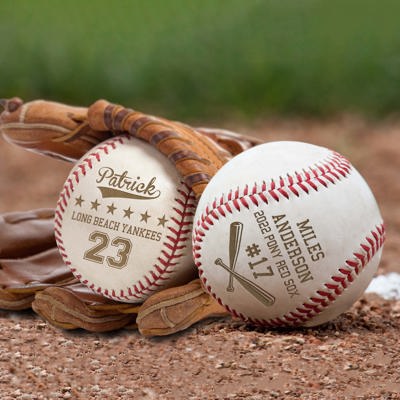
287, 233
124, 220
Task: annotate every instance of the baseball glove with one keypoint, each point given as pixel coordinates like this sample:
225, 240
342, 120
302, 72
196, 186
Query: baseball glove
29, 260
69, 132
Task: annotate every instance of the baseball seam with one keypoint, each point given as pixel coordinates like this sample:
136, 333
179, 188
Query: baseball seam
173, 245
319, 176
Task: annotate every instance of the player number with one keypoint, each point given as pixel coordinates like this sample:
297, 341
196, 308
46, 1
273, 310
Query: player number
102, 241
267, 271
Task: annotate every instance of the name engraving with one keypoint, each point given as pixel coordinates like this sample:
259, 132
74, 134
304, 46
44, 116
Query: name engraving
123, 186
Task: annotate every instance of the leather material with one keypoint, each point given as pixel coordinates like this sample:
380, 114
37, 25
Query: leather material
76, 306
175, 309
26, 233
50, 128
29, 259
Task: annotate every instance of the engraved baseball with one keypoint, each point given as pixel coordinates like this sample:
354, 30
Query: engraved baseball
309, 241
124, 220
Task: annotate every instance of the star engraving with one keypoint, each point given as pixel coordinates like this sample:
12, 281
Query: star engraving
162, 221
111, 209
95, 205
144, 217
128, 212
79, 201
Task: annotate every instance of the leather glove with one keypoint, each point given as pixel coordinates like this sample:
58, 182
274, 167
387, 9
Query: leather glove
69, 132
29, 258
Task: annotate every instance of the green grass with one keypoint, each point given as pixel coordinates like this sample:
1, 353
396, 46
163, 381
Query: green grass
205, 59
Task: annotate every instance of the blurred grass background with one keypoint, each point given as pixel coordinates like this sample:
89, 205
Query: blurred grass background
206, 59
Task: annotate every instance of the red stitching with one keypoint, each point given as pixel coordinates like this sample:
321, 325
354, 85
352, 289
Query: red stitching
76, 174
89, 162
323, 298
326, 173
184, 211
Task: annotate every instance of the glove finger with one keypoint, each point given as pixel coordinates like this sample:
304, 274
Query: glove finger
175, 309
76, 306
50, 128
15, 301
26, 233
196, 157
62, 131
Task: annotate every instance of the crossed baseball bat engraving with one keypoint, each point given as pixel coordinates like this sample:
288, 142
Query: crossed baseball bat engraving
255, 290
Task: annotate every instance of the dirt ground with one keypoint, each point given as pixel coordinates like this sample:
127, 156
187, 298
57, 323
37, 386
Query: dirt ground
355, 356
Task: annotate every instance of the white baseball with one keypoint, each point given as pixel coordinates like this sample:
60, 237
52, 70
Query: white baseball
124, 219
287, 233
